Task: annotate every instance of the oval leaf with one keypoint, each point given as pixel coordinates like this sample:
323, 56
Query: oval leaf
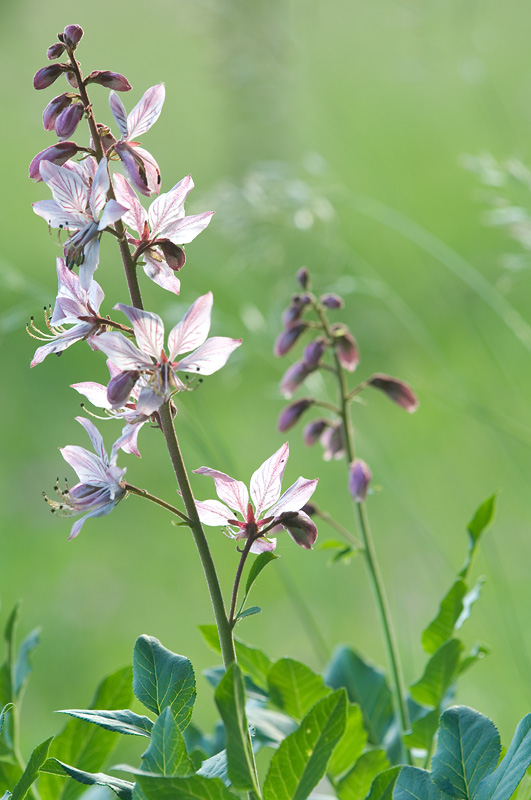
162, 678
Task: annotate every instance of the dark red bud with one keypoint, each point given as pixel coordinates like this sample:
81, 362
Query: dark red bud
57, 154
47, 75
111, 80
293, 377
53, 109
120, 387
313, 432
358, 480
72, 36
332, 301
346, 347
68, 120
173, 254
287, 339
300, 527
397, 391
314, 352
303, 277
55, 51
292, 413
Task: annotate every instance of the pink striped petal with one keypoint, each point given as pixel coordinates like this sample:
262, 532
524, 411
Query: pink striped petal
295, 497
119, 113
96, 393
95, 437
67, 188
210, 357
160, 273
231, 491
193, 329
186, 229
136, 215
148, 328
212, 512
100, 187
122, 352
146, 112
267, 480
89, 467
167, 210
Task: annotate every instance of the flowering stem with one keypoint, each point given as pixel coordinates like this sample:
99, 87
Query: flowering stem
157, 500
245, 552
220, 614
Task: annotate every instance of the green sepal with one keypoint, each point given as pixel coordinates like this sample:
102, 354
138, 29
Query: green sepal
162, 678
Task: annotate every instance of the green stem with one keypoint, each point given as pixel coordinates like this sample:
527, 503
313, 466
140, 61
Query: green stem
157, 500
222, 622
245, 552
339, 528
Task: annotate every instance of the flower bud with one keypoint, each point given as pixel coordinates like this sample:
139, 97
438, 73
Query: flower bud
314, 352
293, 377
72, 36
120, 387
57, 154
68, 120
332, 301
293, 313
53, 109
300, 527
292, 413
287, 338
346, 347
111, 80
358, 480
173, 254
303, 277
333, 441
47, 75
55, 51
396, 390
314, 431
72, 80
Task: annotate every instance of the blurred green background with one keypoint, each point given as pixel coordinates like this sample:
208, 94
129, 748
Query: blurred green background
326, 134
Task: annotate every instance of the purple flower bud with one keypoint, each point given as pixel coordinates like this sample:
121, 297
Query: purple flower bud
287, 338
292, 413
72, 80
293, 313
346, 347
303, 277
111, 80
120, 387
396, 390
57, 154
293, 377
300, 527
68, 120
314, 352
173, 254
333, 441
72, 36
47, 75
332, 301
53, 109
358, 480
310, 509
55, 51
314, 431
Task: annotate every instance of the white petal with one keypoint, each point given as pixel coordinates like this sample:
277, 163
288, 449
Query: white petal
119, 113
135, 216
95, 296
97, 512
193, 329
100, 187
263, 545
267, 480
231, 491
210, 357
185, 230
56, 216
148, 328
128, 440
91, 253
295, 497
61, 343
167, 209
159, 272
89, 468
122, 352
212, 512
111, 213
146, 112
149, 401
96, 393
95, 437
67, 188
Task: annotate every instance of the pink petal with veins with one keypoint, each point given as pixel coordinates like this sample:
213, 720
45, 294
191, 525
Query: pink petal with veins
295, 497
193, 329
146, 112
168, 209
148, 328
210, 357
267, 480
212, 512
231, 491
122, 352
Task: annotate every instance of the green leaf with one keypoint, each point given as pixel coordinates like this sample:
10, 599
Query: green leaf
356, 783
300, 762
251, 660
120, 721
270, 727
415, 784
479, 523
22, 666
442, 627
162, 678
501, 784
351, 744
367, 686
7, 694
249, 611
122, 788
215, 767
476, 654
259, 563
383, 785
166, 754
3, 713
294, 687
439, 674
468, 748
9, 775
30, 774
230, 700
87, 746
196, 787
423, 729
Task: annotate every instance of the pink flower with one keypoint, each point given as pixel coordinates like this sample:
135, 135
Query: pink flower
268, 510
148, 363
79, 205
162, 229
140, 165
74, 306
100, 485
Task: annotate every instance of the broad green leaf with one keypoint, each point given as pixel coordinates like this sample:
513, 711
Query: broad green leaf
367, 686
22, 665
294, 687
120, 721
501, 784
197, 787
215, 767
383, 785
479, 523
87, 746
162, 678
442, 627
301, 760
259, 563
9, 775
166, 754
415, 784
31, 773
468, 748
351, 744
251, 660
270, 727
356, 783
122, 788
423, 729
230, 700
439, 674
